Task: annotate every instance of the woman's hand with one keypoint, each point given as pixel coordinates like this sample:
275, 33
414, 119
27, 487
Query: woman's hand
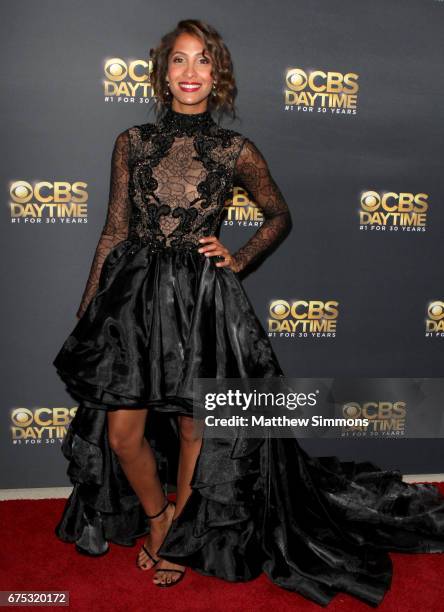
213, 247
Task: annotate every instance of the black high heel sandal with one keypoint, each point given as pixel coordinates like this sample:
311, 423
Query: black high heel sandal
155, 561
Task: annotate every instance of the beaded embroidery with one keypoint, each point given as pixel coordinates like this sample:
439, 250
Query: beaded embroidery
169, 184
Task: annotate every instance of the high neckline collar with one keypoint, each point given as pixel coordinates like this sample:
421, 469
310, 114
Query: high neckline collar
186, 123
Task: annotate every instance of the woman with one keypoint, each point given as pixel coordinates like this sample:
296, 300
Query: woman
164, 305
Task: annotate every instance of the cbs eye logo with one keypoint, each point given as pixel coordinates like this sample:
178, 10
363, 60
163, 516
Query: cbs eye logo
318, 81
21, 191
372, 201
435, 311
351, 411
435, 319
280, 309
22, 417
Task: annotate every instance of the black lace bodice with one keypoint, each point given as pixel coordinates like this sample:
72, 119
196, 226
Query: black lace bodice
169, 184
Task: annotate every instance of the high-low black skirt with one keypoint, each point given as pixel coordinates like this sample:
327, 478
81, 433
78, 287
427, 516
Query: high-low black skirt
316, 526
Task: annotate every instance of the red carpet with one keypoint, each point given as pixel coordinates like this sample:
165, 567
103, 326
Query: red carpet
33, 558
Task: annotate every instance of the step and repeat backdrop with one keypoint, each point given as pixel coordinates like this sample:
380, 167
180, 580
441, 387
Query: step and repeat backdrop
343, 98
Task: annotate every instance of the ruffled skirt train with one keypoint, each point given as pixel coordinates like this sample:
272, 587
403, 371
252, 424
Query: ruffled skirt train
316, 526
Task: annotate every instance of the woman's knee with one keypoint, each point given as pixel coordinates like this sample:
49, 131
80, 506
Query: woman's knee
124, 443
124, 437
190, 430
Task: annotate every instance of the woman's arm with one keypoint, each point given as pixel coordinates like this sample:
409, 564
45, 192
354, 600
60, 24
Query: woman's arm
117, 219
252, 173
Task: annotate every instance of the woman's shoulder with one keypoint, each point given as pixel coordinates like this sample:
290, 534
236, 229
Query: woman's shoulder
142, 129
135, 134
135, 129
127, 133
234, 134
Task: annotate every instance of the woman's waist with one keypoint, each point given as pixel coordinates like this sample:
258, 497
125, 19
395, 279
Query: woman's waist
153, 244
188, 245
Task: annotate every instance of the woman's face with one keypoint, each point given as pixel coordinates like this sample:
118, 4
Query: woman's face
189, 75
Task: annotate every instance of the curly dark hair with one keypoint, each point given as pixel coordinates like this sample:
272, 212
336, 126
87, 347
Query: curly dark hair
222, 100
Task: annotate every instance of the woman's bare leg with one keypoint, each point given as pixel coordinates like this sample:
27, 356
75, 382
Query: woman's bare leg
126, 429
190, 445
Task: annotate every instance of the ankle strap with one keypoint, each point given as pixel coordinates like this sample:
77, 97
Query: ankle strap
159, 513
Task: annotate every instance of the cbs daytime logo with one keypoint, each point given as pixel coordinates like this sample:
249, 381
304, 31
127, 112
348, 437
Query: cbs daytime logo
385, 419
390, 211
241, 211
127, 81
303, 319
48, 202
330, 92
40, 425
434, 323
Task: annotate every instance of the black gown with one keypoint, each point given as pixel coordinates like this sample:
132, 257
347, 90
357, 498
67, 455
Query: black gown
154, 315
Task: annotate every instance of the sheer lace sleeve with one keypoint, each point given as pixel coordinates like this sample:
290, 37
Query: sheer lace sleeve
252, 173
117, 219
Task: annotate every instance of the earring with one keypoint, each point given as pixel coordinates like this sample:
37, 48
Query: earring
214, 89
